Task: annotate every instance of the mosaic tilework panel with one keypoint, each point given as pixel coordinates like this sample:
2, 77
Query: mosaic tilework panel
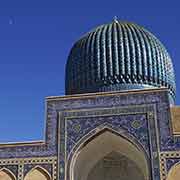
135, 125
136, 122
27, 151
160, 98
167, 141
171, 143
171, 162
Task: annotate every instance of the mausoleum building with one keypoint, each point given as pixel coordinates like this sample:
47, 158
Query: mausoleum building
118, 119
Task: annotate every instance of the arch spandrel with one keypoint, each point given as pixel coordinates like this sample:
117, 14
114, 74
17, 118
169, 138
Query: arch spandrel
38, 173
6, 174
174, 172
103, 143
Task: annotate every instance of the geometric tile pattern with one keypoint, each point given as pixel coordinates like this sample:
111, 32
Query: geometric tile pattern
20, 167
143, 117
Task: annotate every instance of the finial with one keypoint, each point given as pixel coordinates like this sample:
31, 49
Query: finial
115, 19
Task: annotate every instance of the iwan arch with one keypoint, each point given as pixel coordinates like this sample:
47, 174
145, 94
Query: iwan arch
117, 120
110, 155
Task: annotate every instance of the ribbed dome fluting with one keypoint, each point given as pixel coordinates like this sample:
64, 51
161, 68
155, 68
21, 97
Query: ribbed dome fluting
118, 56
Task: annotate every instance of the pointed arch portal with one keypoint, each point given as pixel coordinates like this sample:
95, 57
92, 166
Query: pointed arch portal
37, 173
6, 174
108, 155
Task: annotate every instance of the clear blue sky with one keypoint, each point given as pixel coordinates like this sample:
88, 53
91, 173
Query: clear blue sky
35, 39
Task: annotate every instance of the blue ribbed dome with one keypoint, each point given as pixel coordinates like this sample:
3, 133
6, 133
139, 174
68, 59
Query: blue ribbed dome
118, 56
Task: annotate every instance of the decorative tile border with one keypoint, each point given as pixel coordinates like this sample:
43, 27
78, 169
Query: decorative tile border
167, 161
23, 165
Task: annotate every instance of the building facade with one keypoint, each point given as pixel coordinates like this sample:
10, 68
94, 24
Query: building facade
117, 120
